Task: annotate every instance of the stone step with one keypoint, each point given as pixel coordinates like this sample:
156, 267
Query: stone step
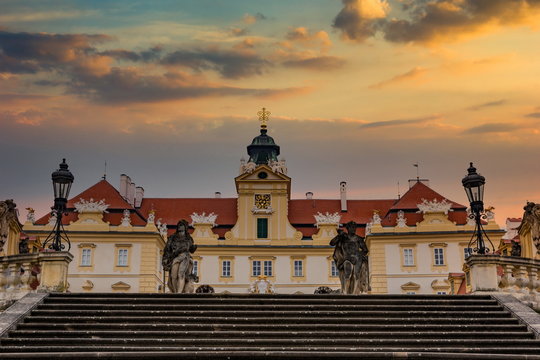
273, 326
261, 301
267, 355
246, 326
269, 307
256, 313
270, 296
282, 341
168, 334
314, 349
273, 319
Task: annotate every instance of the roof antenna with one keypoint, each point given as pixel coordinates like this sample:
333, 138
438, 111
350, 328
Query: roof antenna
105, 172
398, 192
417, 171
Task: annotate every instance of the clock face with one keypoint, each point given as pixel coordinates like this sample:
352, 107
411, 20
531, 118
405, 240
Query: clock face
262, 201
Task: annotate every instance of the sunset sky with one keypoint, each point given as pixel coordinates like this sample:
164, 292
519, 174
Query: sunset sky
359, 90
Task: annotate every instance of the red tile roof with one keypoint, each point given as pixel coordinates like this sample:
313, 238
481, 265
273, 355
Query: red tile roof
361, 211
416, 193
301, 211
101, 190
172, 210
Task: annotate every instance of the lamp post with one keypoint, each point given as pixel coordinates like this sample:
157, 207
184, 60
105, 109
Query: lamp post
62, 180
474, 187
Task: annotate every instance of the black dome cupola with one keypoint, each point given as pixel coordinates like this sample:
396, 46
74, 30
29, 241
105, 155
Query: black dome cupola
263, 148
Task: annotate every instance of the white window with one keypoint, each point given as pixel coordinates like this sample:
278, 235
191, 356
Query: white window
196, 267
467, 252
268, 267
86, 257
411, 293
298, 268
441, 292
226, 268
334, 270
408, 259
256, 269
122, 257
439, 256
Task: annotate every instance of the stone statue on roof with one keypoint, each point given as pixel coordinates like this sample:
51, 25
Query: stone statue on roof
8, 215
351, 258
177, 259
531, 222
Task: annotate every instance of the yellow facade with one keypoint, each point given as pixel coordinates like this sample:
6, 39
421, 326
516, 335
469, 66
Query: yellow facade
104, 273
430, 268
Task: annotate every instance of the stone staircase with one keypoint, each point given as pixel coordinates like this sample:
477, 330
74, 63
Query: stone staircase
208, 326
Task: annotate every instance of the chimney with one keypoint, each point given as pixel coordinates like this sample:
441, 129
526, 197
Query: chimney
139, 194
218, 195
343, 193
124, 181
131, 193
309, 195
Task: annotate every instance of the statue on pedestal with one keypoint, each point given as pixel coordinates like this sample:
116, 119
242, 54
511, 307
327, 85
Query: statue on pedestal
8, 215
177, 259
351, 258
531, 220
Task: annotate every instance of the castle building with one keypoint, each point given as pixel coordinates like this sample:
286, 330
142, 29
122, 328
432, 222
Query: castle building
118, 235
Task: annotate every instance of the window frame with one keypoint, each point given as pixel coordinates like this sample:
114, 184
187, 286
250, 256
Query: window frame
438, 260
122, 256
404, 266
262, 228
261, 260
117, 265
81, 265
221, 263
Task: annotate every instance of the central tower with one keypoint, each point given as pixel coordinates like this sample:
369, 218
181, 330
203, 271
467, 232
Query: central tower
263, 148
263, 196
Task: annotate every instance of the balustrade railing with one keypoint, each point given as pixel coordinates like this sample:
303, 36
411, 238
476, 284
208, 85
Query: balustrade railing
19, 275
519, 277
508, 274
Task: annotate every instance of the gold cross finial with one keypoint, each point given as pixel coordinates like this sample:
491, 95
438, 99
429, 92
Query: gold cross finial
264, 116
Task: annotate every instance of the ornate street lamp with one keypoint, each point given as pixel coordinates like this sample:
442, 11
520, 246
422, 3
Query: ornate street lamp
62, 180
474, 187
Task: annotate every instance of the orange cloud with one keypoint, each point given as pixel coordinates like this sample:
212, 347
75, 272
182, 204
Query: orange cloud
410, 75
311, 39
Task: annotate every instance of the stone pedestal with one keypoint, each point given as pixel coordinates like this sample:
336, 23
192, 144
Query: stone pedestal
483, 273
54, 271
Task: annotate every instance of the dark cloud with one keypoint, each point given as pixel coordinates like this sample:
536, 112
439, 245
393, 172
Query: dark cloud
492, 128
50, 83
47, 48
487, 104
320, 63
128, 86
122, 54
355, 22
431, 20
535, 115
398, 122
22, 52
74, 63
229, 63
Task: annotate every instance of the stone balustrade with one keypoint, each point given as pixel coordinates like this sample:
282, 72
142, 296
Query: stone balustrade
506, 274
24, 273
